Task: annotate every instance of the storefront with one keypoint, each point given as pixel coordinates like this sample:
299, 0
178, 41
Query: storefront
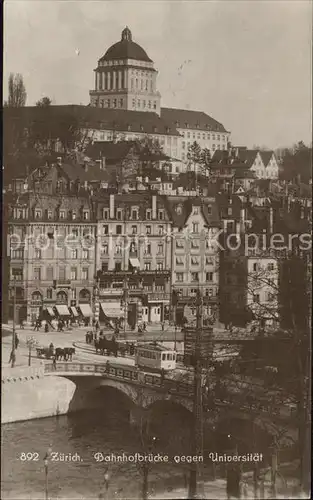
111, 313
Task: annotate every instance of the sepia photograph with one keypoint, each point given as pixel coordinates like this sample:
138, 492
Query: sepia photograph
156, 250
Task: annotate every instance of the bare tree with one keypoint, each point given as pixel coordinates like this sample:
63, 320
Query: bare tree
17, 92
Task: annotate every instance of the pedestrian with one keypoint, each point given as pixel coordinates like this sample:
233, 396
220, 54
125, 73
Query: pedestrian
17, 341
162, 326
12, 358
162, 376
144, 326
97, 326
54, 362
22, 324
46, 327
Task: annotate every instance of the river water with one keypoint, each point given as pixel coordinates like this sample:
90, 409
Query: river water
85, 433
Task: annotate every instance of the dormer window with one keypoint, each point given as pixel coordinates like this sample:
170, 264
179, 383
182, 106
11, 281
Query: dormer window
195, 210
73, 215
86, 214
37, 214
148, 214
129, 127
105, 214
49, 214
161, 215
62, 214
179, 209
141, 128
186, 125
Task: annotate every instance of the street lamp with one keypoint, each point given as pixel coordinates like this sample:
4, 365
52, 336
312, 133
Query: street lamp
31, 342
46, 464
13, 331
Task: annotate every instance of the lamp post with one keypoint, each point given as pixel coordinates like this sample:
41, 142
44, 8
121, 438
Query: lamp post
125, 299
13, 330
31, 342
46, 464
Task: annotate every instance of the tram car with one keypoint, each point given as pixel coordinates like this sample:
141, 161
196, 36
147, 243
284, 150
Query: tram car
155, 356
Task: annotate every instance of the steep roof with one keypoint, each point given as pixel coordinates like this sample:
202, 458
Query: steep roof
184, 118
126, 49
180, 218
266, 156
121, 120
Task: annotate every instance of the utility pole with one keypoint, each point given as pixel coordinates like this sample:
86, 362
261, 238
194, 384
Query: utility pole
197, 407
125, 305
13, 331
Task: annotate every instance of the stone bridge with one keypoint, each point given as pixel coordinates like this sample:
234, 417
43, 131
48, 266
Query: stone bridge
144, 389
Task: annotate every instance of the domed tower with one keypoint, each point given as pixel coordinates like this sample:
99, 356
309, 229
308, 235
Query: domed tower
125, 78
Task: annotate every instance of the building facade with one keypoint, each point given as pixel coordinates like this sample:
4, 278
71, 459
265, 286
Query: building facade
133, 257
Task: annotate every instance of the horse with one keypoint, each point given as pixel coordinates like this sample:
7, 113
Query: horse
59, 353
68, 353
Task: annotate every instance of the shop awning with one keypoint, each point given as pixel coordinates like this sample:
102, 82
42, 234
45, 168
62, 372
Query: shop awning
134, 263
74, 311
85, 310
50, 311
62, 310
112, 309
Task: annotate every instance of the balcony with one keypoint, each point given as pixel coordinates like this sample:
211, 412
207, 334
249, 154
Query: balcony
63, 283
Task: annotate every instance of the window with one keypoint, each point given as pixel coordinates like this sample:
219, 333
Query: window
49, 293
195, 210
161, 215
49, 273
148, 214
105, 229
104, 267
179, 244
209, 208
37, 273
209, 292
213, 137
160, 248
148, 229
179, 261
74, 254
209, 261
194, 276
62, 214
209, 276
180, 277
37, 214
147, 266
195, 244
85, 254
270, 266
37, 253
183, 145
195, 227
134, 103
86, 214
229, 211
208, 136
105, 214
134, 229
73, 215
159, 266
85, 273
73, 273
194, 261
160, 230
49, 214
256, 298
118, 249
255, 266
154, 105
134, 214
105, 249
118, 266
114, 103
148, 249
62, 273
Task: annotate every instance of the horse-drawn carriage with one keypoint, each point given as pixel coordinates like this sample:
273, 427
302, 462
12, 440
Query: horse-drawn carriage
45, 352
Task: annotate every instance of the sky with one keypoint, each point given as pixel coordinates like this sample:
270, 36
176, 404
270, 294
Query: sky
250, 62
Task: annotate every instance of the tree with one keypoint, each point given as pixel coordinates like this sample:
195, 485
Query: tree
16, 90
194, 156
44, 102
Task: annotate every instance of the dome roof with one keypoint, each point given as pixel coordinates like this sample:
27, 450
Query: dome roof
126, 49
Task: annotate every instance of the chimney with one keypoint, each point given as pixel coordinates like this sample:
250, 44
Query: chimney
154, 207
112, 206
59, 161
271, 220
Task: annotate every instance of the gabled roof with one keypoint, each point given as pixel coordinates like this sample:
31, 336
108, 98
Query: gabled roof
193, 119
266, 156
180, 218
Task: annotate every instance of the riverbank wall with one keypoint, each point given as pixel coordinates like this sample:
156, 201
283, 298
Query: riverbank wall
27, 394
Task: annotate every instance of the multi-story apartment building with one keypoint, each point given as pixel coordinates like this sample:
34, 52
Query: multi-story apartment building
133, 257
50, 245
195, 255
